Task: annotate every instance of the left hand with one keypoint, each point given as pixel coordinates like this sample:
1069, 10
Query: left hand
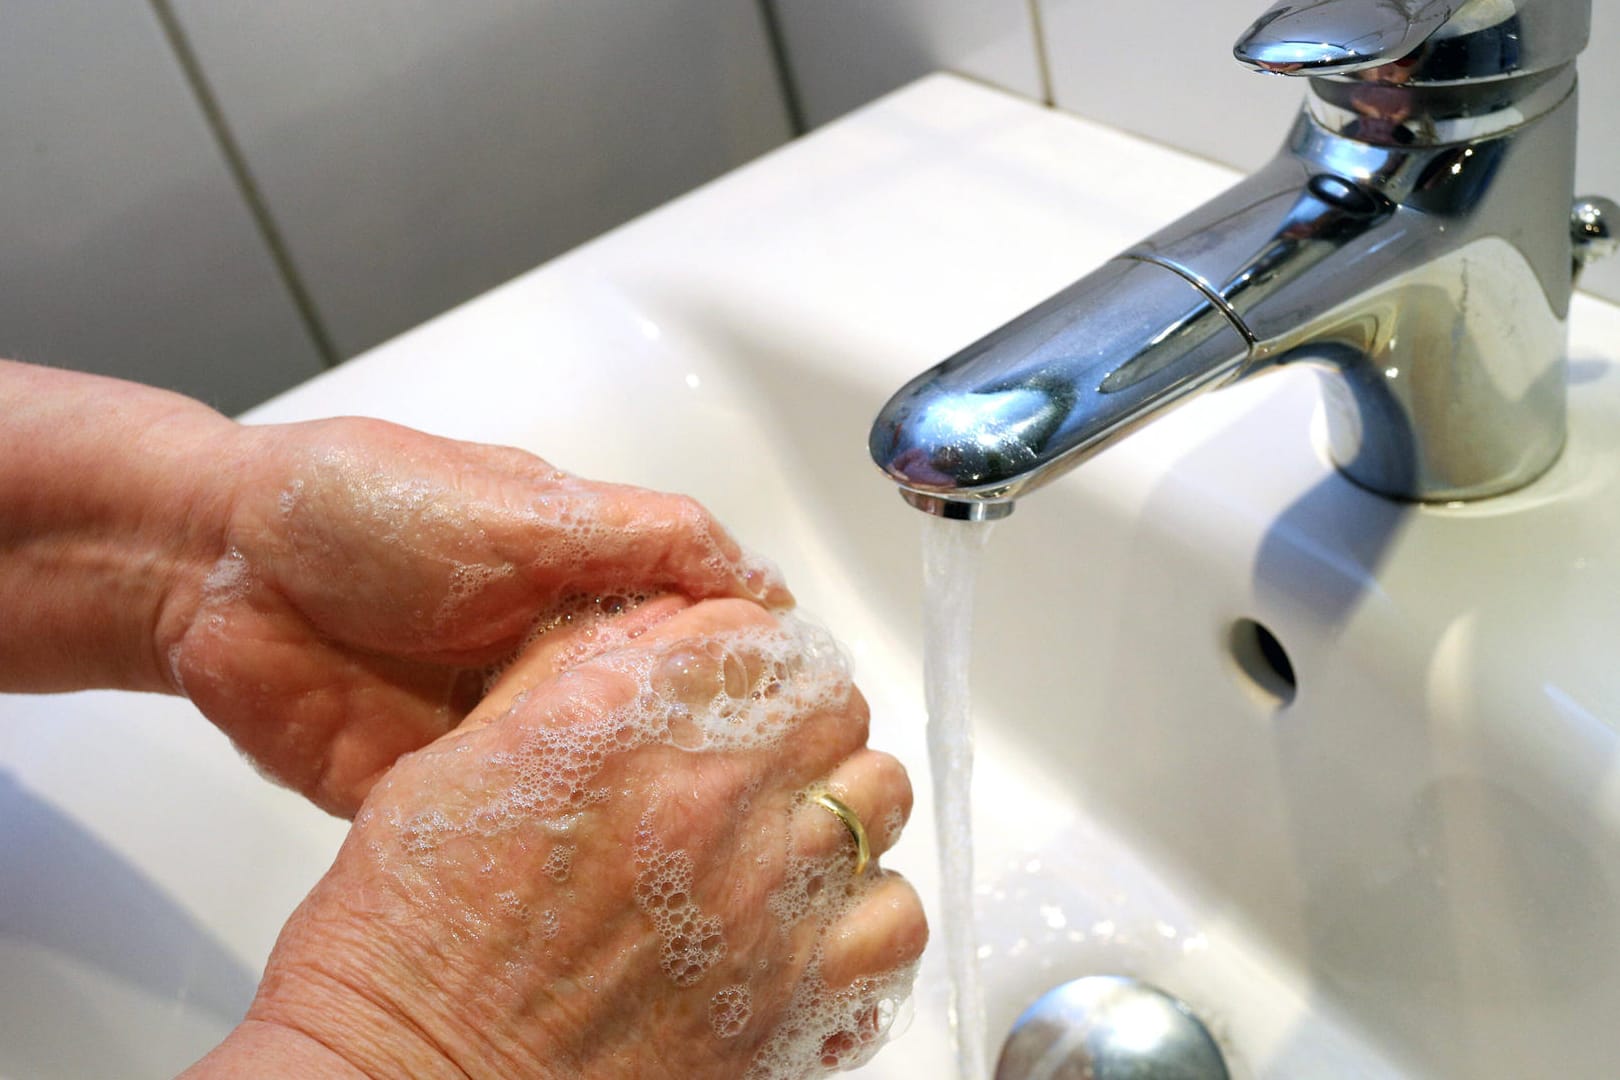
369, 575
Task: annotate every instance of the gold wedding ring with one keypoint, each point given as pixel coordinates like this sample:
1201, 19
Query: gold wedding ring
840, 810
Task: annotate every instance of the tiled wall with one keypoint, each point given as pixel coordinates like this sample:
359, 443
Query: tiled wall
224, 197
125, 246
417, 153
1160, 68
844, 53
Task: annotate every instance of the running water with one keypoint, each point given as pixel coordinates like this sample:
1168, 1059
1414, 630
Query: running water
951, 555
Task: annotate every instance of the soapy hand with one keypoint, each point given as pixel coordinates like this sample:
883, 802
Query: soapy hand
370, 574
611, 869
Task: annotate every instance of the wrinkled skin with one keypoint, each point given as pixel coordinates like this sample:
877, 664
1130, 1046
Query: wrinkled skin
467, 955
365, 574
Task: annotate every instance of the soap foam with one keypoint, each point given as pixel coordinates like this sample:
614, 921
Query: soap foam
467, 582
589, 617
559, 862
510, 904
889, 827
229, 579
227, 582
824, 1029
690, 942
730, 1009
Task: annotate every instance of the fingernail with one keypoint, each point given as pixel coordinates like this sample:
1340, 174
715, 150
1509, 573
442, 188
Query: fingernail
764, 581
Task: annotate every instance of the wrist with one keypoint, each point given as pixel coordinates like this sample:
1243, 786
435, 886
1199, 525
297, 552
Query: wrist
352, 1021
349, 973
261, 1048
112, 493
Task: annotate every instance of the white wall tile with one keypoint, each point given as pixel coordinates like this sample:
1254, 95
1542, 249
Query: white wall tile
844, 53
416, 153
125, 247
1163, 69
1597, 163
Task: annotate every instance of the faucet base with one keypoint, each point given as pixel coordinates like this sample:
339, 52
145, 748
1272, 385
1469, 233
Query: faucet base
1432, 281
1448, 385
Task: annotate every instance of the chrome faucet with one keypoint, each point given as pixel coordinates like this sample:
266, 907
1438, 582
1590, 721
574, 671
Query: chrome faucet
1416, 236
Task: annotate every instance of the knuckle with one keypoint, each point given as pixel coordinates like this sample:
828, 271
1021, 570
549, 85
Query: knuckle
908, 924
892, 778
914, 924
688, 512
858, 718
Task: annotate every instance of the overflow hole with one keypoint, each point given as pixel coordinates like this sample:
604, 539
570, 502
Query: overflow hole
1261, 657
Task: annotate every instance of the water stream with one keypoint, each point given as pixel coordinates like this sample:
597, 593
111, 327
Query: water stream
951, 557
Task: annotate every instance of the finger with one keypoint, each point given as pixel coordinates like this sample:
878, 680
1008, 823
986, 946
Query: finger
872, 784
651, 539
682, 536
884, 930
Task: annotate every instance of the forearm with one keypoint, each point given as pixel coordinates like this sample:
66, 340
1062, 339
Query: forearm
110, 492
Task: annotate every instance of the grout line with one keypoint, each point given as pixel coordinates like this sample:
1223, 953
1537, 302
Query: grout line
1043, 59
236, 162
783, 64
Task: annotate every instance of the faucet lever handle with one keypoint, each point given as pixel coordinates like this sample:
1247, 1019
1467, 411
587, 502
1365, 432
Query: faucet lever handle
1332, 37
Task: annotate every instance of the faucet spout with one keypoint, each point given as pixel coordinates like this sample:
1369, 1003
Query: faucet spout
1053, 387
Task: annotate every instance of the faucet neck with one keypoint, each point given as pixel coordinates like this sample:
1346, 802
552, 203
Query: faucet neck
1419, 115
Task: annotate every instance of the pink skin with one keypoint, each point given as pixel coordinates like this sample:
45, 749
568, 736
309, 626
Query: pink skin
330, 594
481, 962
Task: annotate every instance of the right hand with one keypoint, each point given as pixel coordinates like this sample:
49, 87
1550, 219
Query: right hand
599, 875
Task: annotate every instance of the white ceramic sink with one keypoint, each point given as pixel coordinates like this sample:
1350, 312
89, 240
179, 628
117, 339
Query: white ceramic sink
1411, 869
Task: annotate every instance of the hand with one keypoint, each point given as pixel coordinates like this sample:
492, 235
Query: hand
611, 870
368, 575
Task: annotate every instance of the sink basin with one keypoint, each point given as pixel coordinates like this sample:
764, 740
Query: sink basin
1340, 774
